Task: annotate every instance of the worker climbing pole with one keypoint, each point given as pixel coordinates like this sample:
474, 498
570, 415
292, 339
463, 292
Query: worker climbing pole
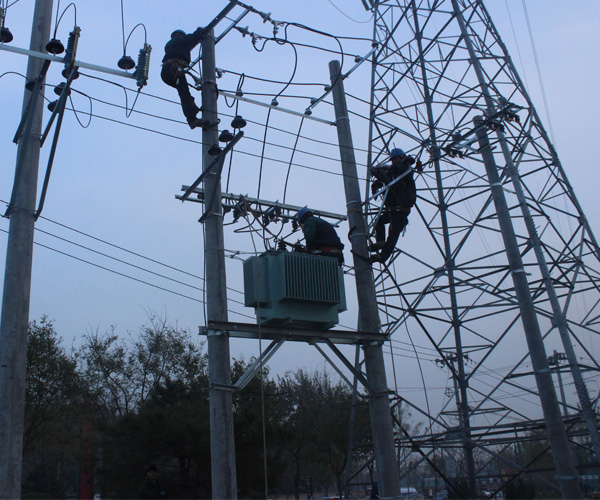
396, 185
177, 57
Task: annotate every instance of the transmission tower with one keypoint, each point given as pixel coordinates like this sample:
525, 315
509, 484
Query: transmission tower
499, 265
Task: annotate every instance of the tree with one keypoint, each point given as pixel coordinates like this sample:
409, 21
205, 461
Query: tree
152, 401
54, 404
257, 417
315, 429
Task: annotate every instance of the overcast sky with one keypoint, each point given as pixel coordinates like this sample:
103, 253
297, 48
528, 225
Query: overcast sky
115, 178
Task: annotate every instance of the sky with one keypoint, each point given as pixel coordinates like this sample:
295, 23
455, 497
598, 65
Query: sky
114, 246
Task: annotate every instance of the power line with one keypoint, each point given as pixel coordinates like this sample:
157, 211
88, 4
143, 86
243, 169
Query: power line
104, 268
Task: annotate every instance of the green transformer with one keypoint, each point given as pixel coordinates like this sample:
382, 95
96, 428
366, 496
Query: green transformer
294, 289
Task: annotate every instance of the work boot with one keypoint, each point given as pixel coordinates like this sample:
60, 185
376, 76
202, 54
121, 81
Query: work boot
195, 122
376, 257
378, 245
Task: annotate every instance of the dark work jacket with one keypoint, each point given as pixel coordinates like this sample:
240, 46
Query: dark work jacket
404, 192
181, 47
319, 233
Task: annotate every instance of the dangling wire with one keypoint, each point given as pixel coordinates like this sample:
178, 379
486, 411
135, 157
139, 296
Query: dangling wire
76, 113
127, 110
262, 156
287, 177
237, 103
262, 153
59, 18
131, 33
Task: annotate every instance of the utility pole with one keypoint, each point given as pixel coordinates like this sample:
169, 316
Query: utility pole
14, 320
222, 446
381, 416
557, 435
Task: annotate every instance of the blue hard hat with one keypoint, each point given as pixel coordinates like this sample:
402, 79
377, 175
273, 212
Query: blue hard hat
177, 33
302, 213
397, 152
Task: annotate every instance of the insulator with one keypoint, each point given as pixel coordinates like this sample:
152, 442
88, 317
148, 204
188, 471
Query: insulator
313, 100
225, 136
214, 150
66, 72
239, 93
71, 51
357, 59
243, 31
55, 47
308, 111
274, 102
126, 63
327, 88
238, 122
143, 65
5, 35
281, 246
58, 90
265, 220
30, 84
52, 105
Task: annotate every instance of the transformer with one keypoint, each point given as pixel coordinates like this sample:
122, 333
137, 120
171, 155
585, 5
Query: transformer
294, 289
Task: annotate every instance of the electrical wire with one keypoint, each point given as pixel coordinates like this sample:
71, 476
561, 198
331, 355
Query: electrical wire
539, 72
123, 25
309, 153
59, 18
123, 249
13, 73
317, 141
287, 177
346, 15
75, 112
184, 139
517, 45
113, 271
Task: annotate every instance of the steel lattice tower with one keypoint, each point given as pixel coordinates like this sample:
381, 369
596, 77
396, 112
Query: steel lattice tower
445, 90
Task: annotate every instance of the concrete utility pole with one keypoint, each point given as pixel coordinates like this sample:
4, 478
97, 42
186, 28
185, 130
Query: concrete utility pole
222, 446
381, 416
566, 474
14, 320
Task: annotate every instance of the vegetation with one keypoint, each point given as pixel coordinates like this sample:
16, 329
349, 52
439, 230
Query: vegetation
96, 416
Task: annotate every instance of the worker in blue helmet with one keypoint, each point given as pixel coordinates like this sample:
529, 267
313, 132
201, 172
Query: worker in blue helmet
320, 235
177, 57
398, 199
